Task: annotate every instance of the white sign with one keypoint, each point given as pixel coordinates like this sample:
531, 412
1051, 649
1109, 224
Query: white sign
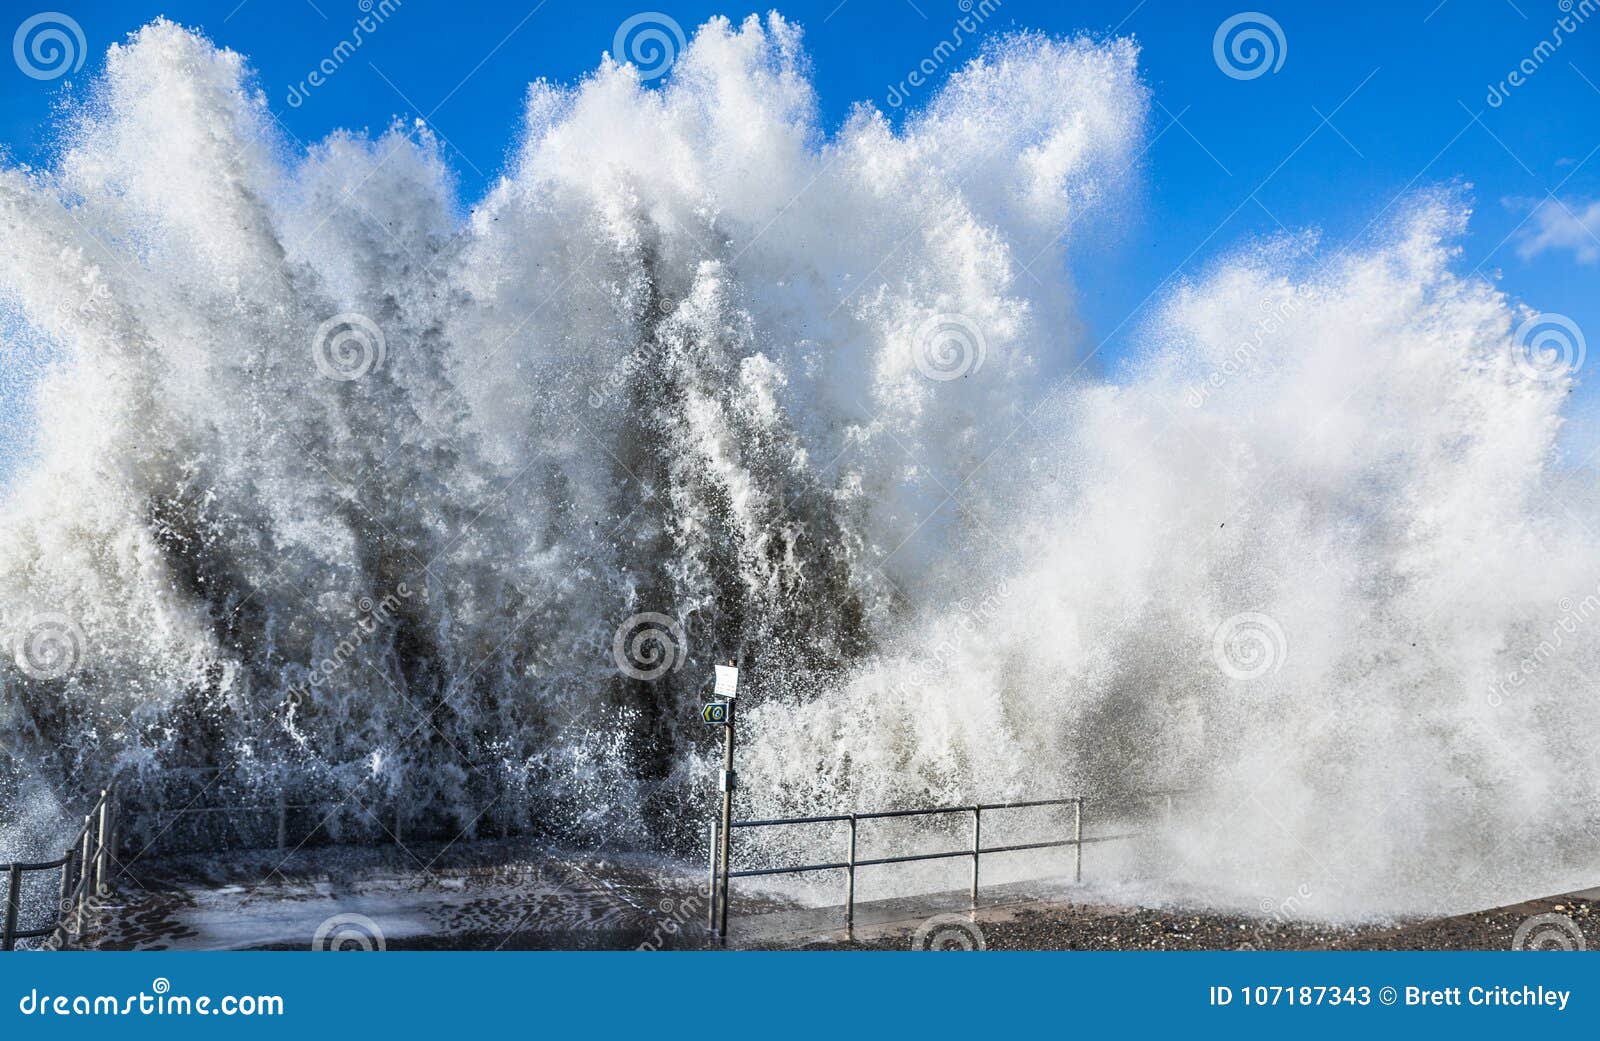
727, 681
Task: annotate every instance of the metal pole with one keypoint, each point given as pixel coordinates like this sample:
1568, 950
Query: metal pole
283, 819
977, 844
1077, 839
66, 882
100, 853
850, 885
65, 909
711, 882
114, 834
13, 900
85, 873
727, 823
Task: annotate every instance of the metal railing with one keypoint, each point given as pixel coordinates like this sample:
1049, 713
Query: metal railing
207, 809
85, 875
276, 813
852, 862
159, 822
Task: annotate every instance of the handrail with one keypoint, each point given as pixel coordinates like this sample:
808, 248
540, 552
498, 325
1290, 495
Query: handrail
180, 811
852, 862
233, 812
880, 814
85, 873
48, 865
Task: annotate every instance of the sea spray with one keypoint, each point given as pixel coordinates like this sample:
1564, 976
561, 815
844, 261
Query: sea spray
781, 395
1292, 602
632, 382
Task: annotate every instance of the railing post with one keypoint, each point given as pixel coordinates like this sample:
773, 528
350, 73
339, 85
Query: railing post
977, 846
101, 852
8, 936
85, 872
66, 910
1077, 839
850, 885
66, 882
114, 835
711, 882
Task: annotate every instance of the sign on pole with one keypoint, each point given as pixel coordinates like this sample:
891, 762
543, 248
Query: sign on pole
716, 712
727, 681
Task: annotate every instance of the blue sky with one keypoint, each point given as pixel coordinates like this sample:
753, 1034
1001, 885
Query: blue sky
1370, 100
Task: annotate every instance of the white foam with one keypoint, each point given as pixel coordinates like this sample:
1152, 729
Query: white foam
682, 359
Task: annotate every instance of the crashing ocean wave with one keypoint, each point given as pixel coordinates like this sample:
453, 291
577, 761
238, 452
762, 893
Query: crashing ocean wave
443, 517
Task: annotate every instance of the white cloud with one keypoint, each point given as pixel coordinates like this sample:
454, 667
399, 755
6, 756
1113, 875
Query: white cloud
1556, 225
